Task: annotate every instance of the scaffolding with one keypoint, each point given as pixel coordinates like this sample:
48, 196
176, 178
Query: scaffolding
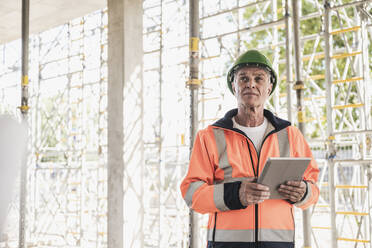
66, 176
165, 133
67, 169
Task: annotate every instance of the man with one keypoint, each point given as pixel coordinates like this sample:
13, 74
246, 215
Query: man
229, 156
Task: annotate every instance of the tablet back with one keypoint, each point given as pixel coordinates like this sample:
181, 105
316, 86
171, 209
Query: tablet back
279, 170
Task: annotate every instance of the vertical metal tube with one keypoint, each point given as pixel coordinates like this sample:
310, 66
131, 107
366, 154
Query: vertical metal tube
369, 176
369, 192
288, 55
160, 116
367, 105
193, 84
276, 55
366, 72
331, 149
24, 110
299, 86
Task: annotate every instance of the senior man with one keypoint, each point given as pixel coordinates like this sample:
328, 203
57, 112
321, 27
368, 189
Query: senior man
229, 156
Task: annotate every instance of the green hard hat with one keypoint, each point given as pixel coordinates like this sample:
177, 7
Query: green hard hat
251, 58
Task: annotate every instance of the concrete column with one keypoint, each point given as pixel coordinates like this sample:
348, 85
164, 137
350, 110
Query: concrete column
125, 125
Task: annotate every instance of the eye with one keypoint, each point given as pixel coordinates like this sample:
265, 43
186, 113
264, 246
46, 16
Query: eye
258, 79
243, 79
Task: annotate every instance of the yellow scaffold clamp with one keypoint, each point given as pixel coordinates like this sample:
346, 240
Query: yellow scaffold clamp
194, 44
24, 80
331, 137
301, 116
193, 81
299, 85
24, 108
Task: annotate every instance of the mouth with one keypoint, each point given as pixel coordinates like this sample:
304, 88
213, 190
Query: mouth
249, 94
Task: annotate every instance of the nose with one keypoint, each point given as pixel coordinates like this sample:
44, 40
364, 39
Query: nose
250, 83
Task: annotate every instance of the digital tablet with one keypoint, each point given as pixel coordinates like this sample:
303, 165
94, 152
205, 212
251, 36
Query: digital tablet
279, 170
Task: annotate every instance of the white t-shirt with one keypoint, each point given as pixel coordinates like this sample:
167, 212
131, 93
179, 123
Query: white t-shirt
256, 134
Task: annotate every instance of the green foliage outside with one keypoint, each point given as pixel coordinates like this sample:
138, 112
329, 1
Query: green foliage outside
315, 69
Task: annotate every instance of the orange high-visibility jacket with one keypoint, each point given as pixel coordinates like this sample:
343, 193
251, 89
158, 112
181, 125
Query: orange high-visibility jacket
222, 157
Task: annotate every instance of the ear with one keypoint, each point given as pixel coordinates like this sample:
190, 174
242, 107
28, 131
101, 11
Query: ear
233, 86
270, 89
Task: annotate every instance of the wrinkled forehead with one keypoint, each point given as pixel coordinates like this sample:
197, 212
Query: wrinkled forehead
252, 70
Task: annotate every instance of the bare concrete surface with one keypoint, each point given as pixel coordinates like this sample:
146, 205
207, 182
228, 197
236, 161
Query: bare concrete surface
12, 149
44, 14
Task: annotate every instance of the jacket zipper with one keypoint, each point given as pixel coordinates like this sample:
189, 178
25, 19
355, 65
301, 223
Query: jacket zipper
214, 230
255, 205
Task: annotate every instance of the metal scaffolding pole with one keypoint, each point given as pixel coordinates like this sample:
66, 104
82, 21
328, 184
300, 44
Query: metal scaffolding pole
288, 54
160, 116
193, 84
24, 110
366, 75
299, 87
331, 148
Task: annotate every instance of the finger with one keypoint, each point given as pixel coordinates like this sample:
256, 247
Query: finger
285, 196
260, 193
294, 183
293, 196
300, 184
294, 199
292, 188
289, 197
257, 186
290, 193
288, 188
256, 200
248, 182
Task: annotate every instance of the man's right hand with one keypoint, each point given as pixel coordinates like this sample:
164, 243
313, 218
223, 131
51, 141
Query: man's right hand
251, 192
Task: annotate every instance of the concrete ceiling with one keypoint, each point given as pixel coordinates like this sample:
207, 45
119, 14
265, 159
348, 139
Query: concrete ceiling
44, 14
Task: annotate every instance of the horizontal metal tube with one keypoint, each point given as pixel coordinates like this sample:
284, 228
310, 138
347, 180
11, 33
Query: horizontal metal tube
354, 161
349, 4
230, 10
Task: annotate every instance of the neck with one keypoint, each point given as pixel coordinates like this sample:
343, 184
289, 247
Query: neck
250, 116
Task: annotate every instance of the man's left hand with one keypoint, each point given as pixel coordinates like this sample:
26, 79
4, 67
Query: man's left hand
293, 190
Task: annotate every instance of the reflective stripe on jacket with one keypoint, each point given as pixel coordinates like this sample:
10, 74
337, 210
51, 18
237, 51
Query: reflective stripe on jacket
222, 157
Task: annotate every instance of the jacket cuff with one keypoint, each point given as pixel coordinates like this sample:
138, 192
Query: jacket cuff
231, 196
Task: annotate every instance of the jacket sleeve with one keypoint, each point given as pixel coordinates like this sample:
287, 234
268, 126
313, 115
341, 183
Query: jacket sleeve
198, 188
301, 149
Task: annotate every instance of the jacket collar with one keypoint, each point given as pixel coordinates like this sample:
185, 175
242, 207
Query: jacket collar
226, 121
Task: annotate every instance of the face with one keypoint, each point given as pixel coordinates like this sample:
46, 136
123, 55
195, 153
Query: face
252, 86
